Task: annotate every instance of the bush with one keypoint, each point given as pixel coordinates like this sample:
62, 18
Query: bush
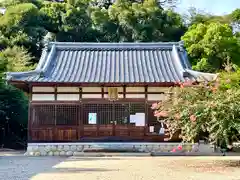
205, 109
13, 115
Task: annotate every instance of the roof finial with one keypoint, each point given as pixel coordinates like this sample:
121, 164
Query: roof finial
181, 45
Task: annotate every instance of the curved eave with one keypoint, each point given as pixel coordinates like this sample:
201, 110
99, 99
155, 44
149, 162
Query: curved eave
16, 75
23, 85
201, 76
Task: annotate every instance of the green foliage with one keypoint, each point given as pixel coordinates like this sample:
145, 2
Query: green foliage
210, 46
16, 59
204, 110
67, 22
7, 3
235, 15
229, 80
3, 68
134, 21
13, 105
21, 26
196, 17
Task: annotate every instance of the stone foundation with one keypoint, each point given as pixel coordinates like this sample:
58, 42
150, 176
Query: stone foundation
70, 149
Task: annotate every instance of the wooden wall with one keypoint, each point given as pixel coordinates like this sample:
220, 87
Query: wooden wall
54, 98
78, 93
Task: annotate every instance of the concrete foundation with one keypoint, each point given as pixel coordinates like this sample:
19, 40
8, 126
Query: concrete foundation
74, 149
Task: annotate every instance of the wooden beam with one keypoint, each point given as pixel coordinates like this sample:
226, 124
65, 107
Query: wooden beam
75, 84
102, 93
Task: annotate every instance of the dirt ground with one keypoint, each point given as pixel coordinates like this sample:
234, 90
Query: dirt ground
120, 168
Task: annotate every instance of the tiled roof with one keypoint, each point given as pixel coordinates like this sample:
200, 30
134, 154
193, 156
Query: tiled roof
109, 63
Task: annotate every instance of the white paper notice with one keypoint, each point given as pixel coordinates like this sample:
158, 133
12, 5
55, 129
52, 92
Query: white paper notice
92, 118
140, 119
151, 129
132, 119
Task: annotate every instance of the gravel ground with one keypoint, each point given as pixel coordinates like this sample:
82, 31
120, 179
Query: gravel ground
119, 168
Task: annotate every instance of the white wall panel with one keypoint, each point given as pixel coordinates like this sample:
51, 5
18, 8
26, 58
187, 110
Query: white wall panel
135, 89
135, 95
42, 97
67, 89
157, 97
158, 89
91, 95
68, 97
42, 89
91, 89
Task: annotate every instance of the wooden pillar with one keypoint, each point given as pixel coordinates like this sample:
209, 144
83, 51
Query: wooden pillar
146, 110
29, 130
124, 91
55, 130
80, 94
79, 126
102, 91
81, 108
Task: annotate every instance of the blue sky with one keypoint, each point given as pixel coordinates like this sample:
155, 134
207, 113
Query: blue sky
217, 7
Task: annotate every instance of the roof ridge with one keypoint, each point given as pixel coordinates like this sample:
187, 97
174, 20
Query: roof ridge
117, 45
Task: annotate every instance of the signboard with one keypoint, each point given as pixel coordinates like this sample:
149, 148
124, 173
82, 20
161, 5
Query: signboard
113, 93
92, 118
138, 119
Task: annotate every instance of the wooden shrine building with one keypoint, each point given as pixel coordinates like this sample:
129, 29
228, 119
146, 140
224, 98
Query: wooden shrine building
96, 92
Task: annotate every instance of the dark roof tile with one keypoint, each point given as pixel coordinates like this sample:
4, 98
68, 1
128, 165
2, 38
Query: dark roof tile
109, 63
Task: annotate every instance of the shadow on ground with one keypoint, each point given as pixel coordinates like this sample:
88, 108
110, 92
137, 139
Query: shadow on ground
27, 167
78, 170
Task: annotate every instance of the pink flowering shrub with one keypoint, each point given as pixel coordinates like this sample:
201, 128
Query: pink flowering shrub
202, 109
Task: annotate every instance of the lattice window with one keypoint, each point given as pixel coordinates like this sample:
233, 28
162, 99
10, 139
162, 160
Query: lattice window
43, 115
67, 114
121, 113
137, 108
106, 113
112, 112
103, 113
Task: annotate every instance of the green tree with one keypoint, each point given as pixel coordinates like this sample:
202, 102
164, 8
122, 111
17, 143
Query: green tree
3, 68
211, 46
68, 22
21, 26
235, 15
13, 108
137, 21
196, 17
7, 3
16, 59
